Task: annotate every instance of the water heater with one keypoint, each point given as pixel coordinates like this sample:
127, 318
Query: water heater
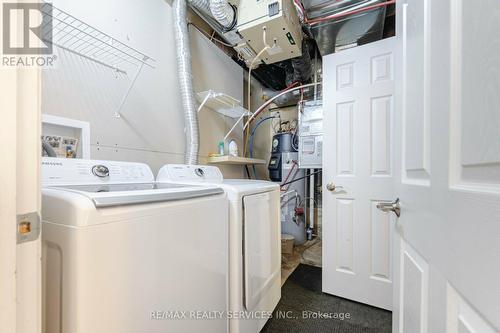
284, 168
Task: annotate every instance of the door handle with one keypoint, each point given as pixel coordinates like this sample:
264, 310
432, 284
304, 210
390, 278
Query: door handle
333, 188
390, 207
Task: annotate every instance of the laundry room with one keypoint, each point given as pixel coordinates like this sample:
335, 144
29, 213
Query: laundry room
249, 166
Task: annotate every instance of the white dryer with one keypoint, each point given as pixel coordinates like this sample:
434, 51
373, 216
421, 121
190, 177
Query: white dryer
124, 254
254, 242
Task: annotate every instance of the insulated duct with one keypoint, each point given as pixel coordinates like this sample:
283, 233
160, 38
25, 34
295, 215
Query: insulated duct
302, 68
288, 99
185, 77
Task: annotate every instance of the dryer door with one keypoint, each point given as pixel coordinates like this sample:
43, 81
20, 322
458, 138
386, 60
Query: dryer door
261, 246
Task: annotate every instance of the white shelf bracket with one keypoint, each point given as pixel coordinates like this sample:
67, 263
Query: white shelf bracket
205, 100
127, 93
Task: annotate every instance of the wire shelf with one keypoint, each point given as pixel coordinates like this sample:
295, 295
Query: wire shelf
73, 35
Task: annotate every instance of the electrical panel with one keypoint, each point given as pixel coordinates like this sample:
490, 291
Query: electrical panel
282, 24
311, 135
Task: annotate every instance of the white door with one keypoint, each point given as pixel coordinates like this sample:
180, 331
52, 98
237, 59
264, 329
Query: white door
448, 179
358, 172
20, 265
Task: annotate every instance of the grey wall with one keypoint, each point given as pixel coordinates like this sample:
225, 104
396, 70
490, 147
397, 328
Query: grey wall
151, 128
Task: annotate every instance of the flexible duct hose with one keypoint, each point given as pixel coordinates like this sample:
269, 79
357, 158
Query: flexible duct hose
186, 80
223, 12
201, 5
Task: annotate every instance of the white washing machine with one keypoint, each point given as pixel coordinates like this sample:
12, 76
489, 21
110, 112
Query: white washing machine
254, 242
124, 254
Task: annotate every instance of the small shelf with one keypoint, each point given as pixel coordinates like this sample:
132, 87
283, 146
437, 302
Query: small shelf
234, 160
222, 103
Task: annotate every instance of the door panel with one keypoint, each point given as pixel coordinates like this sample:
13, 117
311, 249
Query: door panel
448, 170
416, 120
381, 116
475, 122
345, 236
462, 318
381, 239
359, 89
414, 295
345, 138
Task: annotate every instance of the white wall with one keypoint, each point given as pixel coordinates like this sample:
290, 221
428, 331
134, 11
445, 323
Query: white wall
151, 128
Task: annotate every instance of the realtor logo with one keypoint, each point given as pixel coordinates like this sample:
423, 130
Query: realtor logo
27, 30
36, 22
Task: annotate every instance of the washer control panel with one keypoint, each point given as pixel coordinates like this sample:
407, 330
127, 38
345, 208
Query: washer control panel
190, 173
65, 171
199, 172
100, 171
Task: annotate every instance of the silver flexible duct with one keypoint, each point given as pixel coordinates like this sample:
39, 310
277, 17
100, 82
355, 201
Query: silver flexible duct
201, 5
223, 12
186, 80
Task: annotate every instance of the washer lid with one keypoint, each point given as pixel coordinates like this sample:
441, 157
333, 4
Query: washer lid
108, 195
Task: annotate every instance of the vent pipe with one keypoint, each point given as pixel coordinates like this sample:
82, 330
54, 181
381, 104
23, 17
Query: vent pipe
224, 13
185, 77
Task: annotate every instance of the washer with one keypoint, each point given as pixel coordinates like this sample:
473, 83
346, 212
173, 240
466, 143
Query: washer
124, 254
254, 242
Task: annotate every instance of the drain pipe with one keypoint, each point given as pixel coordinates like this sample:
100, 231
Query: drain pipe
185, 77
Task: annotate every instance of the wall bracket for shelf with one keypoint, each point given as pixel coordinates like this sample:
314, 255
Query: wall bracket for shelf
130, 86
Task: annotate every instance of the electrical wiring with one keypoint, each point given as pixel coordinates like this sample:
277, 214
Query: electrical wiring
268, 102
295, 164
251, 140
302, 202
300, 178
209, 36
257, 57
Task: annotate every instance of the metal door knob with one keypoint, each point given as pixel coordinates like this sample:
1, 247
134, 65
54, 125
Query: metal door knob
390, 207
332, 187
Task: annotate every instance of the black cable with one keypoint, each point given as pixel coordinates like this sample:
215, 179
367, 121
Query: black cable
248, 172
297, 179
235, 20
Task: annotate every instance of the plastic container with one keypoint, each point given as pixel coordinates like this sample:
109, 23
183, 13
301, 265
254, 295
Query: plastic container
287, 243
233, 148
221, 148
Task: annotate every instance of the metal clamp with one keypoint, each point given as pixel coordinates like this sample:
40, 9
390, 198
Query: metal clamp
390, 207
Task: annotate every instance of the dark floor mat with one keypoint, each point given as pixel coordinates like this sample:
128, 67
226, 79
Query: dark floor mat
302, 292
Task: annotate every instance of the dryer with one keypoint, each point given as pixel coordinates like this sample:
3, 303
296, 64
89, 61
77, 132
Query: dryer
124, 254
254, 242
